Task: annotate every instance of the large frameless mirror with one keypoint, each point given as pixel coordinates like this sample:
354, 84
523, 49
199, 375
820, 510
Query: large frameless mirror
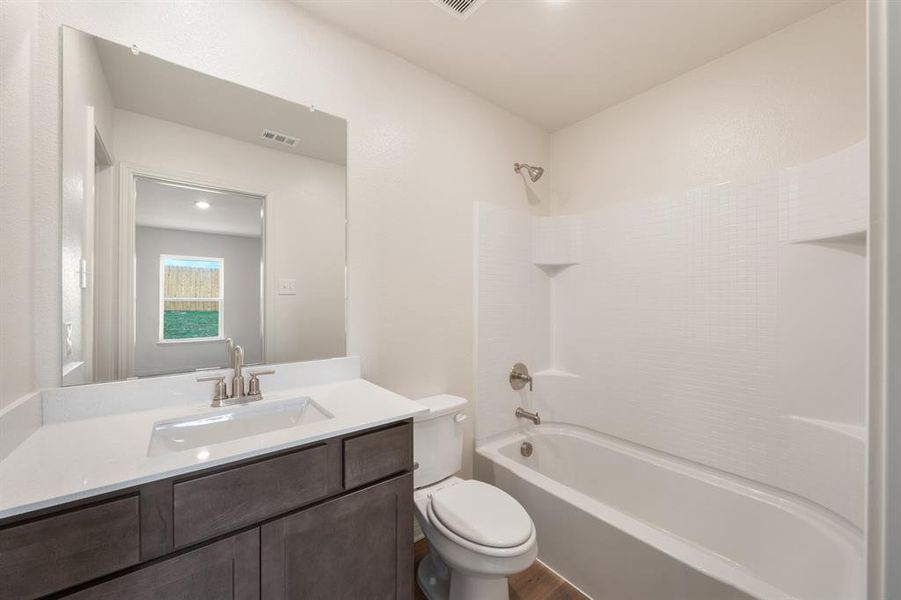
194, 211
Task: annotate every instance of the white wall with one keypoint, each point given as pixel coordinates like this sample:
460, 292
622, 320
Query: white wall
710, 315
304, 223
421, 151
791, 97
18, 45
241, 257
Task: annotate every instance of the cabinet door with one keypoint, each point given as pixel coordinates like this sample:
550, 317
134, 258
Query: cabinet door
356, 547
229, 568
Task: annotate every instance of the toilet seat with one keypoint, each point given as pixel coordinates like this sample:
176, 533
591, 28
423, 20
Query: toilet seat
481, 518
483, 514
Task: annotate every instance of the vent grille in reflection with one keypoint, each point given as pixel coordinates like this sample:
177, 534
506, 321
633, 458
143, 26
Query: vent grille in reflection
279, 138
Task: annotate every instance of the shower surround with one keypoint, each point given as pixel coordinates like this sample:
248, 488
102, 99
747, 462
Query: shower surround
724, 326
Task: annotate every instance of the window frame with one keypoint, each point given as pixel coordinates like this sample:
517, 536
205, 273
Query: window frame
163, 299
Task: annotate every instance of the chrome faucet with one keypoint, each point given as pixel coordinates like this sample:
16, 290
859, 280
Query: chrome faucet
221, 397
522, 413
238, 376
229, 350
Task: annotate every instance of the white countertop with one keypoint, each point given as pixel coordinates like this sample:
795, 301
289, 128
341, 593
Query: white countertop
75, 459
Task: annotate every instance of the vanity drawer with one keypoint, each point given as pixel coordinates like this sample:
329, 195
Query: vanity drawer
53, 553
372, 456
228, 500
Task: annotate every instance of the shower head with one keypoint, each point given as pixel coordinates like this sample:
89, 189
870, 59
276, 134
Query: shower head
535, 173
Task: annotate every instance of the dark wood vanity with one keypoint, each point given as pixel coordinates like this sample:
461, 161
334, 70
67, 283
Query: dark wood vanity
332, 519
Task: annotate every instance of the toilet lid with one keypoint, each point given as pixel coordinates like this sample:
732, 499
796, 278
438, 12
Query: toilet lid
482, 514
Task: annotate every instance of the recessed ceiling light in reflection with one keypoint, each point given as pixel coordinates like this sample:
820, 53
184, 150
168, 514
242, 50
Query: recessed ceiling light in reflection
203, 454
202, 204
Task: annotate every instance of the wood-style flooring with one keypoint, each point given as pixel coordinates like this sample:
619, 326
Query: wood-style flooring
536, 583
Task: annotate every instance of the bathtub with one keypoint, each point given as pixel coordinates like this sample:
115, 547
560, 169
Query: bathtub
622, 522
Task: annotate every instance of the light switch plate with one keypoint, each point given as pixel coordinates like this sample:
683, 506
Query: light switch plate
287, 287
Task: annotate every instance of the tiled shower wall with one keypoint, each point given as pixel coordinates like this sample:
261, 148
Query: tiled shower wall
724, 325
513, 310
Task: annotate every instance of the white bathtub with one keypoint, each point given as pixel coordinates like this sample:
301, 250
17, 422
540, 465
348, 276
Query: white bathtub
622, 522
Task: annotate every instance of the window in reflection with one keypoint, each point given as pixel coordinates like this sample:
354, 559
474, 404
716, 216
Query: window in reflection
191, 298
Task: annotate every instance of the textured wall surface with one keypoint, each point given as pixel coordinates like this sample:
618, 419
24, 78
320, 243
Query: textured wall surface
786, 99
688, 338
18, 43
513, 316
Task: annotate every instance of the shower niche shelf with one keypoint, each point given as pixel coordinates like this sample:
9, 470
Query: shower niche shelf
556, 373
556, 243
554, 269
557, 383
851, 241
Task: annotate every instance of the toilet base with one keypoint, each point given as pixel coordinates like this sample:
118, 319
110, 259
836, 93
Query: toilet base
469, 587
433, 577
438, 582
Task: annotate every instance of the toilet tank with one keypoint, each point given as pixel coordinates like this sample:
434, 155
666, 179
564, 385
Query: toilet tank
438, 439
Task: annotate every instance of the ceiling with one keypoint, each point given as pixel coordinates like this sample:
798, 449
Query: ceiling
157, 88
171, 206
555, 62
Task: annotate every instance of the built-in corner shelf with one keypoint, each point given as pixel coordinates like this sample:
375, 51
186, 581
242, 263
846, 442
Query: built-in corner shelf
851, 241
555, 373
556, 243
554, 269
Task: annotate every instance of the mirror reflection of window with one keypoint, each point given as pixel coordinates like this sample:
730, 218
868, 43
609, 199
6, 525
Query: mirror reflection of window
183, 165
186, 236
191, 298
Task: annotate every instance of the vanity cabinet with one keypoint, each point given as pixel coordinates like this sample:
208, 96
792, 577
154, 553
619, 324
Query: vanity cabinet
329, 520
356, 546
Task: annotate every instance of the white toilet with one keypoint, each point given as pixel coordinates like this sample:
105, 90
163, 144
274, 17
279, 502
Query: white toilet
478, 534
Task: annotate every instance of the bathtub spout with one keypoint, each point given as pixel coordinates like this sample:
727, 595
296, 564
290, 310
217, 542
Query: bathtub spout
532, 416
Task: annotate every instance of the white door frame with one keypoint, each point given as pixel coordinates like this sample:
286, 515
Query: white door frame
128, 173
884, 397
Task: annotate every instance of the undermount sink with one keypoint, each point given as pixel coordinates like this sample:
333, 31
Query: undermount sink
241, 420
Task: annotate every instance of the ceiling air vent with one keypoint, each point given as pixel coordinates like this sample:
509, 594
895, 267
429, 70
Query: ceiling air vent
462, 9
279, 138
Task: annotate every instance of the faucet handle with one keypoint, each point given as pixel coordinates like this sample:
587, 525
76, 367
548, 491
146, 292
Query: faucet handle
220, 390
253, 386
519, 377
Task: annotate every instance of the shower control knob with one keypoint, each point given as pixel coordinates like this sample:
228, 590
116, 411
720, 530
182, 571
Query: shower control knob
519, 377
